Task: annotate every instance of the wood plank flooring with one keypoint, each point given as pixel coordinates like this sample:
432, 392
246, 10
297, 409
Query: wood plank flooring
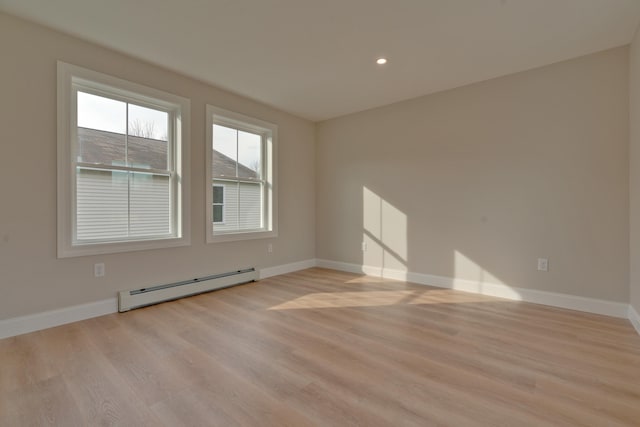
326, 348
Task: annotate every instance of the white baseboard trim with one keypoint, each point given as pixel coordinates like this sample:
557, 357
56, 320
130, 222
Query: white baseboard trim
342, 266
49, 319
286, 268
572, 302
35, 322
634, 318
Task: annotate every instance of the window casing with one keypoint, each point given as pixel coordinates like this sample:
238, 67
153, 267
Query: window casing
241, 158
121, 185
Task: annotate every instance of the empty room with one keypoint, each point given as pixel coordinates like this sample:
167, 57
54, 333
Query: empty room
320, 213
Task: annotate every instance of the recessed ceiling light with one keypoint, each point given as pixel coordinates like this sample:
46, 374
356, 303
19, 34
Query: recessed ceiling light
381, 61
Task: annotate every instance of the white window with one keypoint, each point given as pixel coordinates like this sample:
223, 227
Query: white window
122, 153
241, 162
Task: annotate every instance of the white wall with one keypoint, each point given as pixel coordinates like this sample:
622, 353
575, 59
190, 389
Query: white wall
478, 182
474, 183
32, 280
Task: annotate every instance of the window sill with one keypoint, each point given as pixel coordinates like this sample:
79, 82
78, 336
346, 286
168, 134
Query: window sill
117, 247
232, 237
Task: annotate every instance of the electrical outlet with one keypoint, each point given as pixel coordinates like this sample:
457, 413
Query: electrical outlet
543, 264
269, 248
98, 269
364, 246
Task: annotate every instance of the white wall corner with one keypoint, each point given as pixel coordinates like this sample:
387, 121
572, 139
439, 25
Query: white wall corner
341, 266
634, 318
286, 268
571, 302
49, 319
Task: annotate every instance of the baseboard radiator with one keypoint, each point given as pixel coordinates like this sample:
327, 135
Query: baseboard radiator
128, 300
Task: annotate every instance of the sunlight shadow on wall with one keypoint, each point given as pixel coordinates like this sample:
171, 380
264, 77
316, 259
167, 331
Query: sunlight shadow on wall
384, 233
471, 277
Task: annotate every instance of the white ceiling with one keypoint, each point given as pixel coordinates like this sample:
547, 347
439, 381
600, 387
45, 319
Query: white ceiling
316, 58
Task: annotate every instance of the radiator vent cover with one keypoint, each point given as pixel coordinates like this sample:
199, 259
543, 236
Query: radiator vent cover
128, 300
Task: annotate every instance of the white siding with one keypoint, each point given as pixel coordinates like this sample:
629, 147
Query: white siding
230, 216
104, 204
150, 205
250, 206
241, 211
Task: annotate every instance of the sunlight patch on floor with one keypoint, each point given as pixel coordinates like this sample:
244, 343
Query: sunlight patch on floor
377, 299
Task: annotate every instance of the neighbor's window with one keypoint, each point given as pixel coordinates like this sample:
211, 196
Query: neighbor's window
218, 204
241, 152
122, 148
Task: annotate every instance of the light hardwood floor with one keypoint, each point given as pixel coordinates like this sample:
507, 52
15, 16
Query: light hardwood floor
321, 347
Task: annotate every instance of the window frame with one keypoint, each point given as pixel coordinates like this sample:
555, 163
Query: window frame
269, 134
71, 79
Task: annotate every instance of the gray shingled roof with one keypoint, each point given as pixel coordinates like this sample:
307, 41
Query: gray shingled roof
225, 166
102, 147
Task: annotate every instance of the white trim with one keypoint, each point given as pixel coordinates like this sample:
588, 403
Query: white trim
49, 319
342, 266
35, 322
269, 131
634, 318
69, 77
572, 302
235, 236
286, 268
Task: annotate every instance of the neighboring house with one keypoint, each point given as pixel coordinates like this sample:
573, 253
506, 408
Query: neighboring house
103, 197
236, 206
